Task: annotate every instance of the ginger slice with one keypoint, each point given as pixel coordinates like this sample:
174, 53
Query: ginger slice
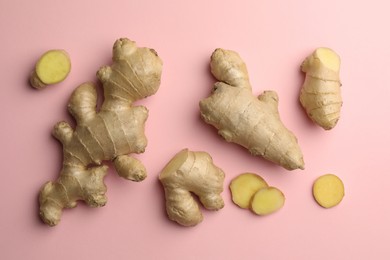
328, 190
113, 132
267, 201
52, 68
244, 186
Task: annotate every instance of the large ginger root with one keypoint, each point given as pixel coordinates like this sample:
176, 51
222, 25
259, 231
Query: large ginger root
242, 118
191, 172
52, 68
110, 134
320, 94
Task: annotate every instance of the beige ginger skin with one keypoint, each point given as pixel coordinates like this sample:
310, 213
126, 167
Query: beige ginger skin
113, 133
191, 172
321, 93
242, 118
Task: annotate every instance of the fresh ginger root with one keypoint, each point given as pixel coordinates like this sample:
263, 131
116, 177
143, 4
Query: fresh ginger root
267, 200
252, 122
110, 134
320, 93
191, 172
328, 190
52, 68
244, 186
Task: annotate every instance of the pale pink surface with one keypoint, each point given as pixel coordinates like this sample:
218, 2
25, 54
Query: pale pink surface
273, 37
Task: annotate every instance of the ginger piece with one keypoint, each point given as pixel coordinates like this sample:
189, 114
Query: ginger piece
52, 67
186, 173
244, 186
321, 93
112, 133
241, 118
267, 200
328, 190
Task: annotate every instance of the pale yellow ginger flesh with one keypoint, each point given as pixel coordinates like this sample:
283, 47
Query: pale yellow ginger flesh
242, 118
52, 68
112, 133
328, 190
244, 186
267, 200
191, 173
320, 93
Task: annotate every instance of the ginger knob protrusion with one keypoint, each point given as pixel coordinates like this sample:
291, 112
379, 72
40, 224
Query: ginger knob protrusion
321, 93
52, 67
189, 173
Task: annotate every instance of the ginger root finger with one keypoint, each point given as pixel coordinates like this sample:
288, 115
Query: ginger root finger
191, 172
267, 200
328, 190
244, 186
130, 168
242, 118
321, 94
52, 68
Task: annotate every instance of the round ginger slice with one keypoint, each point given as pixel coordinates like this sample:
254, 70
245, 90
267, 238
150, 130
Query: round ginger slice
244, 186
52, 68
267, 201
328, 190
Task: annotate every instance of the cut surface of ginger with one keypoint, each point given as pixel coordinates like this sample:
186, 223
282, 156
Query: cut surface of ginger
53, 67
329, 58
328, 190
244, 186
267, 201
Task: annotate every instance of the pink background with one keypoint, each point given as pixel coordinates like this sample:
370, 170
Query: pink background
273, 37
